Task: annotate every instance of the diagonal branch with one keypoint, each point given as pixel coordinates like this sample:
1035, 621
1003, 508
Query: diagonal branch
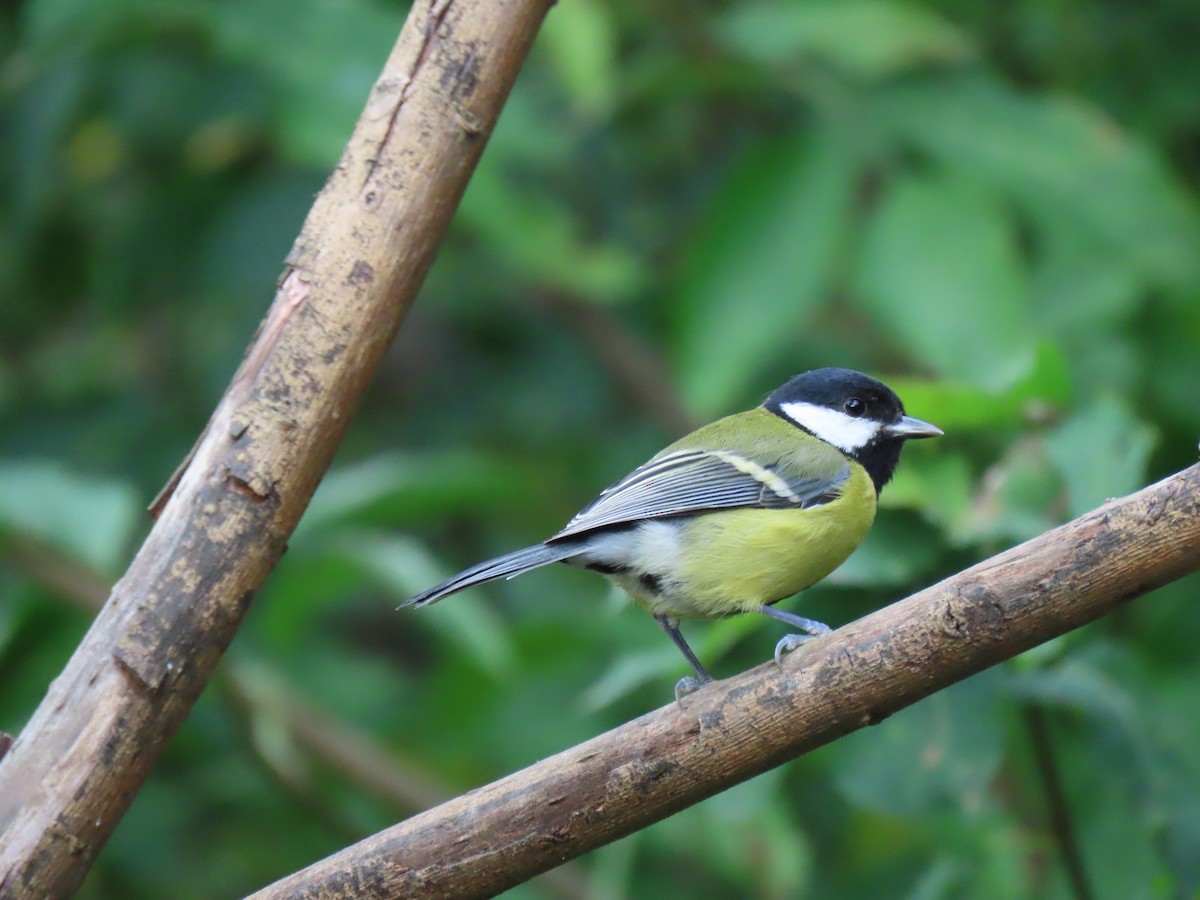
258, 692
225, 519
502, 834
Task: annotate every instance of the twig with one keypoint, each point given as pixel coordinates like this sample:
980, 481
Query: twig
225, 520
1056, 801
500, 835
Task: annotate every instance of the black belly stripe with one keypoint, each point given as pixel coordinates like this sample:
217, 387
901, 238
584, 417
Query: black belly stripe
652, 583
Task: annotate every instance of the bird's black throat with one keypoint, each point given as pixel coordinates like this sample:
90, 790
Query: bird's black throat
879, 458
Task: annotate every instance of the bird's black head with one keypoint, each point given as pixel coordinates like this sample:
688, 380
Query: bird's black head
859, 415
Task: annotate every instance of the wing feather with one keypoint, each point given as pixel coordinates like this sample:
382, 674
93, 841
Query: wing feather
687, 482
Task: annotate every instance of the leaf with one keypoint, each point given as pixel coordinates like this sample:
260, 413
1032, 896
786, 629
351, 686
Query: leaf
12, 614
940, 754
749, 829
893, 554
91, 519
1065, 161
323, 58
627, 674
1182, 838
53, 24
940, 272
758, 267
1079, 684
1080, 291
958, 406
939, 486
712, 641
468, 623
864, 38
536, 234
1017, 497
945, 877
1102, 452
580, 39
394, 487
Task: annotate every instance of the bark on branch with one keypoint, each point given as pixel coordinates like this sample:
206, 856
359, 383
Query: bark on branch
226, 517
504, 833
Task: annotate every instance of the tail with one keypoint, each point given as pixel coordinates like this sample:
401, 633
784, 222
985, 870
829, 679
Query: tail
507, 566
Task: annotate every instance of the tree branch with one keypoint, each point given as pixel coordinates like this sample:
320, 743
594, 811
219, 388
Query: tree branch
226, 517
502, 834
256, 691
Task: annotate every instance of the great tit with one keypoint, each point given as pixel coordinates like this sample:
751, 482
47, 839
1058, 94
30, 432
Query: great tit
739, 514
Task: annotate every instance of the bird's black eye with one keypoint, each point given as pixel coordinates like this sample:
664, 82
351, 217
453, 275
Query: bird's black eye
855, 407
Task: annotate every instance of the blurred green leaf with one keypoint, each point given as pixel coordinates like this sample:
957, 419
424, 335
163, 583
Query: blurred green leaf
1016, 189
91, 519
11, 614
406, 568
1079, 685
581, 41
323, 57
55, 25
1018, 497
1102, 452
894, 553
1068, 164
943, 879
768, 849
612, 875
941, 275
629, 672
391, 488
536, 233
1078, 291
868, 38
955, 406
939, 486
940, 754
663, 664
757, 267
1182, 841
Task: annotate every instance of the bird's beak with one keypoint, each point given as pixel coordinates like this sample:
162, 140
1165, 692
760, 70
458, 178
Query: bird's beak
908, 427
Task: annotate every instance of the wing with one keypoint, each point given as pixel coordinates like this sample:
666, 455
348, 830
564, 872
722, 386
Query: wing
686, 482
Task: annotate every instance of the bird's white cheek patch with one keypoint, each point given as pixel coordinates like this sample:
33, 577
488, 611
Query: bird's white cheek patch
837, 428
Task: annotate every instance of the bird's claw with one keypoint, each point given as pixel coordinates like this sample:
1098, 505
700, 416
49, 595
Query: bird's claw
790, 642
689, 684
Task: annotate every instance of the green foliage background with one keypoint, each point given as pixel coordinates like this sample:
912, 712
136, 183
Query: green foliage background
993, 206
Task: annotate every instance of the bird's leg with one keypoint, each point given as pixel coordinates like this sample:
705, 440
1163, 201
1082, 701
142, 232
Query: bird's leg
688, 684
790, 642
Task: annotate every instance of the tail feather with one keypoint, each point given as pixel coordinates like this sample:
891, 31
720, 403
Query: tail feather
506, 566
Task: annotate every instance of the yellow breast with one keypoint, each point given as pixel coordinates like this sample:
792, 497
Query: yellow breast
739, 560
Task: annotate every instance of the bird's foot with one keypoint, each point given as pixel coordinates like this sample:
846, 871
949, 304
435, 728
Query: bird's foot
790, 642
689, 684
787, 644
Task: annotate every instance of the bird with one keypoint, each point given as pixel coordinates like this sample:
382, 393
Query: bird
737, 515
